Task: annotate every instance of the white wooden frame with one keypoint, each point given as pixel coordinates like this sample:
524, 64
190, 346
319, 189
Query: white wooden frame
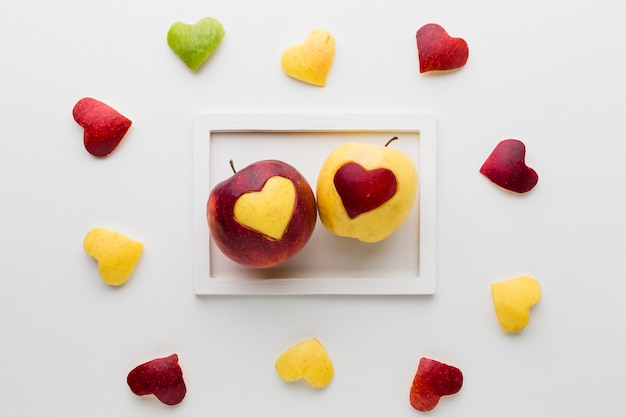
293, 127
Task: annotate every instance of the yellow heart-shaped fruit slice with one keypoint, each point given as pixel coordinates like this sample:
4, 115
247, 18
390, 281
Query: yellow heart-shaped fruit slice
307, 360
268, 211
513, 299
310, 61
116, 254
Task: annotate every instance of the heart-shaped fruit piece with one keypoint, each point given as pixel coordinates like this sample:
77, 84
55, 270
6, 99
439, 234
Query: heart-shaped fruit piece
264, 210
513, 299
506, 167
194, 43
432, 381
438, 51
363, 190
308, 360
161, 377
310, 61
104, 127
116, 254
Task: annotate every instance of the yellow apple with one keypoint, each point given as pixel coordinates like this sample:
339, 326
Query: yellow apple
366, 191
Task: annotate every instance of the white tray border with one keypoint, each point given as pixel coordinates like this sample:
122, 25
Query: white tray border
206, 124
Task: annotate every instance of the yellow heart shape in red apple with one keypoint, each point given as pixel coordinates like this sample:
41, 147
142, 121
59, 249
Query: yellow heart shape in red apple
268, 211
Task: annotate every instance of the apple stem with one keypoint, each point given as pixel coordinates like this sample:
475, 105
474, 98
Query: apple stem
391, 140
232, 166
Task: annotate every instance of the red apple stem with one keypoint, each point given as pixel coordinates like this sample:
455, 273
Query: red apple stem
232, 166
391, 140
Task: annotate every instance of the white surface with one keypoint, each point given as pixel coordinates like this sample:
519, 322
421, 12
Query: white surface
550, 74
404, 263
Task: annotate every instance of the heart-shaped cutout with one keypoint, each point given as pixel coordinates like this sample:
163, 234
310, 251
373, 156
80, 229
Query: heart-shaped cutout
438, 51
513, 299
116, 254
268, 211
161, 377
506, 167
432, 381
362, 190
104, 126
194, 43
310, 61
307, 360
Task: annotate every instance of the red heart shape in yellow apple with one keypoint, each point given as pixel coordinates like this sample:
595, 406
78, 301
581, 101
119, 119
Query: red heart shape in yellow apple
362, 190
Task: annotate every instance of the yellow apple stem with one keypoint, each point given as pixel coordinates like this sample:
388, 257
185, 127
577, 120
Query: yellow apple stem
391, 140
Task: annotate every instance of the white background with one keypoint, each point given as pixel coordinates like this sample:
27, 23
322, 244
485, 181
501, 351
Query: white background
550, 74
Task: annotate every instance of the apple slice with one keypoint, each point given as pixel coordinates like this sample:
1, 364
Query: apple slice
307, 360
432, 381
104, 127
310, 61
161, 377
512, 301
438, 51
506, 167
116, 254
194, 43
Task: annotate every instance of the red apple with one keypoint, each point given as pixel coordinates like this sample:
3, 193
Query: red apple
263, 214
432, 381
438, 51
161, 377
506, 167
104, 126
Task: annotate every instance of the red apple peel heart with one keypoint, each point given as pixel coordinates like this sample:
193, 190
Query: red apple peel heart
506, 167
161, 377
432, 381
438, 51
104, 126
362, 190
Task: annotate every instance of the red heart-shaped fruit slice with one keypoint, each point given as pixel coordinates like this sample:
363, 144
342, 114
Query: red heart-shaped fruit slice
506, 167
438, 51
104, 126
362, 190
432, 381
161, 377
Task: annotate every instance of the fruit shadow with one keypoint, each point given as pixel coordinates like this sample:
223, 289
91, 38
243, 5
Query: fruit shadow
329, 256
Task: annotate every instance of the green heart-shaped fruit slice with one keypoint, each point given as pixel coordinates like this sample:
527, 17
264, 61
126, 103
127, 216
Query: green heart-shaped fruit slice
194, 43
